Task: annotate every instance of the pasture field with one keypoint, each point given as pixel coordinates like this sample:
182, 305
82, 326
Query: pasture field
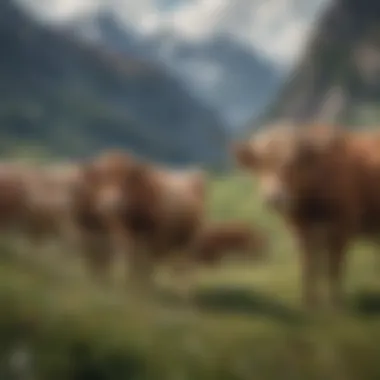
248, 326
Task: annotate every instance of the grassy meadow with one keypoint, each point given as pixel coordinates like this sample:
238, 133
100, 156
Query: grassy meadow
248, 325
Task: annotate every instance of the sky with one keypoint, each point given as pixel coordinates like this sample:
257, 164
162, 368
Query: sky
276, 28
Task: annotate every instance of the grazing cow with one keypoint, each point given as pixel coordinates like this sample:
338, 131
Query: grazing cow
97, 201
13, 194
229, 239
41, 201
33, 202
150, 211
326, 183
49, 199
164, 215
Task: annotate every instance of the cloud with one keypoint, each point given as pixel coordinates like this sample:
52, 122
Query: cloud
277, 28
208, 75
60, 10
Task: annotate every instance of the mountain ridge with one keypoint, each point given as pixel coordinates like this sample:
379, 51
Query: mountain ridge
54, 86
340, 69
234, 95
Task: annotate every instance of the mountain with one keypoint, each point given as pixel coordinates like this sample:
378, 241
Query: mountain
76, 98
231, 77
339, 76
228, 75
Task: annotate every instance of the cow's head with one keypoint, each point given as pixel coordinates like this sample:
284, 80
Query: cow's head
289, 163
107, 178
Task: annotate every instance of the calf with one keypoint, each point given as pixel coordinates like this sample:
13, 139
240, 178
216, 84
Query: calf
326, 184
229, 239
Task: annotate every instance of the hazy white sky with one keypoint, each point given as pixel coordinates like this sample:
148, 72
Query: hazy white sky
277, 28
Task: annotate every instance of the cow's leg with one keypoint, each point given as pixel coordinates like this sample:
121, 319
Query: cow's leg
337, 252
38, 245
18, 242
69, 237
375, 253
310, 296
98, 256
184, 271
140, 269
120, 237
311, 245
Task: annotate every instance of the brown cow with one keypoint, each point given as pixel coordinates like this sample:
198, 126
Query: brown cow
13, 194
97, 200
229, 239
326, 183
41, 195
33, 202
164, 215
50, 191
150, 211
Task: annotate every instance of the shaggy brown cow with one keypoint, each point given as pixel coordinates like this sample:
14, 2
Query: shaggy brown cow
229, 239
50, 191
150, 211
97, 200
164, 215
45, 204
13, 193
34, 201
326, 183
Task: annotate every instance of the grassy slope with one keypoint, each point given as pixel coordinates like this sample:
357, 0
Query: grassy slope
250, 326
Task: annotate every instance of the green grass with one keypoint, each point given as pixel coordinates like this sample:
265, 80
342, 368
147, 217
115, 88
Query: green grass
248, 325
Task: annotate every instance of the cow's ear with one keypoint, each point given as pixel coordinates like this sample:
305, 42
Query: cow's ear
244, 155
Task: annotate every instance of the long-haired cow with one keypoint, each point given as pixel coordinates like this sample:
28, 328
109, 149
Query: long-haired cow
35, 201
148, 211
326, 184
231, 239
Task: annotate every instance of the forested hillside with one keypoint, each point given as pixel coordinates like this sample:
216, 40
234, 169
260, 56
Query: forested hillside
75, 98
